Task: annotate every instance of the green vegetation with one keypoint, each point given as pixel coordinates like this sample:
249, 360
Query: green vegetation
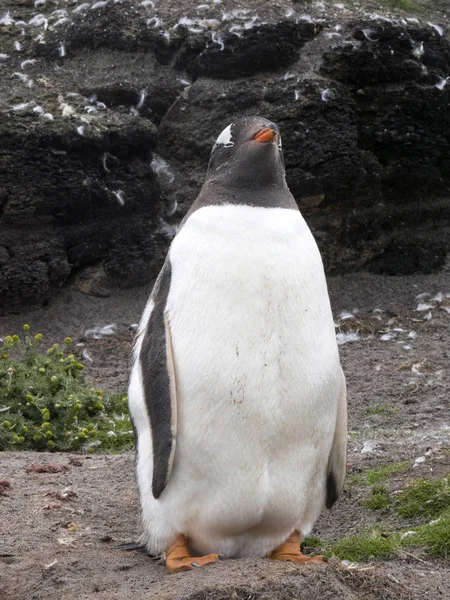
424, 498
434, 537
379, 498
403, 4
373, 476
46, 405
367, 546
311, 543
421, 499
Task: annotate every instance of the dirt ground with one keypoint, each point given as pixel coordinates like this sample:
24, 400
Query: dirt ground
399, 410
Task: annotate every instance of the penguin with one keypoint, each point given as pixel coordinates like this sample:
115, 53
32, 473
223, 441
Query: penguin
237, 395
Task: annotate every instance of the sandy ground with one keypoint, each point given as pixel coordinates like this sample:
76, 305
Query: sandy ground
399, 409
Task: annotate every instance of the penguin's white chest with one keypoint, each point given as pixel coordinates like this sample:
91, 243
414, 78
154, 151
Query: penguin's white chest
257, 374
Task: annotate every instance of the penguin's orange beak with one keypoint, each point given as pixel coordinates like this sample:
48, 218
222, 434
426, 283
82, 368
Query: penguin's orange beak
265, 135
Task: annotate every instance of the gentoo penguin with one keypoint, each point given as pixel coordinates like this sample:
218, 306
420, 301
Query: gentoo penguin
236, 394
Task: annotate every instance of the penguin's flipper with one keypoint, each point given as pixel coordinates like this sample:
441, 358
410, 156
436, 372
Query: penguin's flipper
338, 456
158, 380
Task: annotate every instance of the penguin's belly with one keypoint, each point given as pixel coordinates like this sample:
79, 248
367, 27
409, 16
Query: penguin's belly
257, 374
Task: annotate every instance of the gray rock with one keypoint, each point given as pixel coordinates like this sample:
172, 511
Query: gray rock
361, 100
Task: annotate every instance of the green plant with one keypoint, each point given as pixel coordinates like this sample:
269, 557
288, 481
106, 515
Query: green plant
367, 546
434, 537
424, 498
372, 476
46, 405
379, 498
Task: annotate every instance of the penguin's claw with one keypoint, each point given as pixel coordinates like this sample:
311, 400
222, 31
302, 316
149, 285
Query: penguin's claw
188, 563
290, 550
178, 558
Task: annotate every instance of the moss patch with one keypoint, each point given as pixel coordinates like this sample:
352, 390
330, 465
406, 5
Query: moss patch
367, 546
373, 476
424, 498
434, 537
379, 498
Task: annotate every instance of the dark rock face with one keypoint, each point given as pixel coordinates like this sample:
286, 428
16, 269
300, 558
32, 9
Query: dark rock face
106, 148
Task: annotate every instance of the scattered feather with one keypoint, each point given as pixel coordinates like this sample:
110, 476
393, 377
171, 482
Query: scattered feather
289, 12
423, 296
236, 30
81, 7
38, 109
386, 337
346, 338
148, 4
100, 331
172, 210
4, 56
412, 334
54, 562
142, 96
419, 460
39, 3
87, 356
17, 46
327, 95
418, 50
442, 83
427, 317
6, 19
184, 82
21, 106
60, 22
47, 116
25, 63
406, 347
22, 76
423, 306
344, 315
104, 159
162, 169
37, 21
217, 38
368, 34
367, 448
80, 130
407, 533
297, 94
99, 4
155, 22
62, 50
437, 28
120, 197
169, 231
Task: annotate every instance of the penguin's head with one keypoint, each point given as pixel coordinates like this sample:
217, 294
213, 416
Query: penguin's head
247, 154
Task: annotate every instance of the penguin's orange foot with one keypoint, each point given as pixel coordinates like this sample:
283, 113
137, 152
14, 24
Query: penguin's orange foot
178, 558
290, 550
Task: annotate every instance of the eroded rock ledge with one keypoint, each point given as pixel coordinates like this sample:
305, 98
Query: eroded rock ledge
109, 110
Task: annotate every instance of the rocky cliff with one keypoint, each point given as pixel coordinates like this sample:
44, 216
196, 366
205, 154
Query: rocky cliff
109, 110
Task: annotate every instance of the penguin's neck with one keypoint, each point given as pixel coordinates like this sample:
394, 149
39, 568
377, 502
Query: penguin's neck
271, 195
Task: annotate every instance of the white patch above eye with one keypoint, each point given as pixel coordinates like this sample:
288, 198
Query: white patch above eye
224, 138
